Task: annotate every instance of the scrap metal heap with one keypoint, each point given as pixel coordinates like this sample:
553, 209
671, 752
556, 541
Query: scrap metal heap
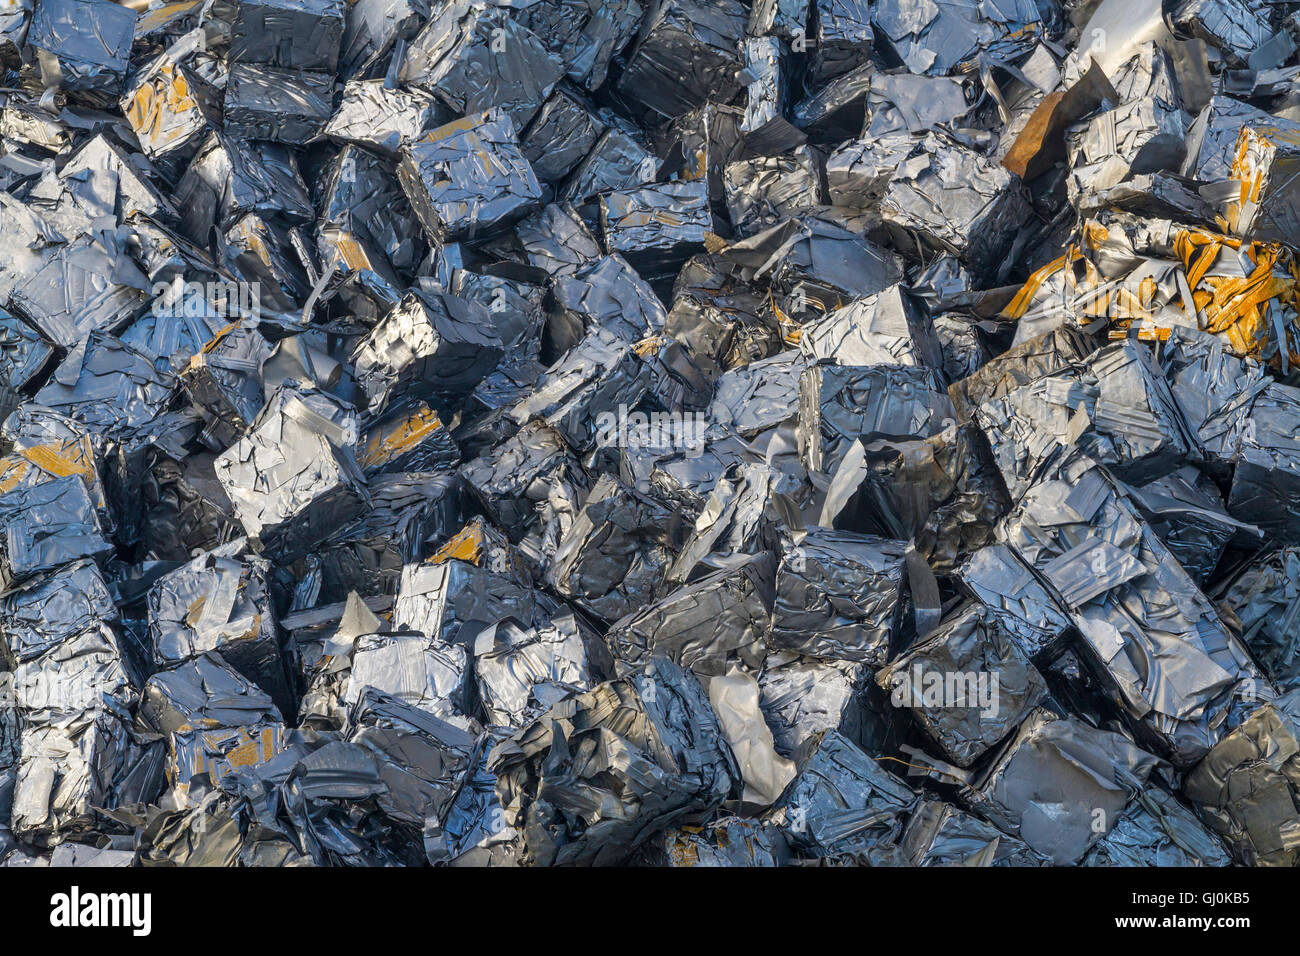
650, 432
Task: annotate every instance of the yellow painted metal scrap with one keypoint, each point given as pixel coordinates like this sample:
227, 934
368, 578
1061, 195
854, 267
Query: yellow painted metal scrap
1243, 309
407, 434
1236, 307
57, 459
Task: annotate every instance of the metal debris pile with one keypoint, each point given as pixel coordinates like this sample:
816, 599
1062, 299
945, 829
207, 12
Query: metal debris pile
697, 432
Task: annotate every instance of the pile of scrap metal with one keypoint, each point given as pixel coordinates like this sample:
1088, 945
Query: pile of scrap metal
650, 432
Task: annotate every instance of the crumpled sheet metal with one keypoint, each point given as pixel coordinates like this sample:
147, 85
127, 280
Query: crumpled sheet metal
408, 439
452, 601
367, 225
1245, 788
714, 623
744, 515
1241, 290
656, 225
839, 595
1212, 136
456, 193
1213, 388
758, 396
217, 381
475, 56
1261, 604
687, 54
204, 693
322, 649
23, 355
82, 46
1157, 830
432, 345
220, 602
65, 451
46, 526
659, 741
951, 199
557, 240
736, 700
858, 173
1264, 486
907, 101
410, 666
1144, 135
43, 613
1026, 611
135, 192
171, 109
1232, 26
584, 34
228, 179
115, 390
840, 404
1060, 785
84, 286
1181, 683
1187, 512
620, 158
515, 479
563, 431
290, 34
74, 681
68, 775
843, 802
600, 372
76, 752
201, 759
941, 40
883, 329
293, 477
818, 252
763, 191
966, 683
1116, 408
520, 673
13, 32
373, 115
423, 760
1267, 207
371, 29
765, 125
606, 296
613, 557
561, 134
841, 40
729, 841
940, 834
182, 508
286, 106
